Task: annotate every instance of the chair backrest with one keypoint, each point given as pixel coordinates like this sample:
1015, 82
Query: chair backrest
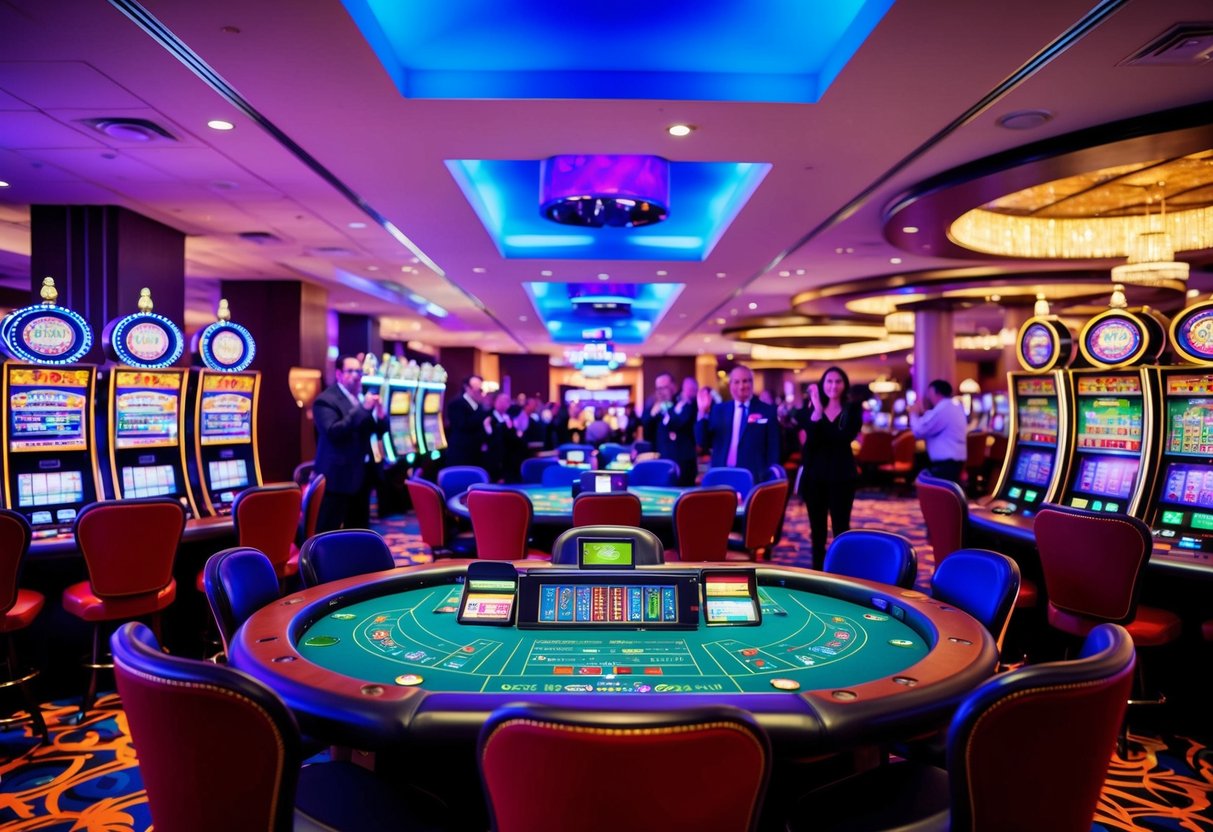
501, 522
456, 479
266, 518
904, 445
15, 536
330, 556
430, 508
561, 475
740, 480
610, 451
619, 508
875, 448
313, 496
666, 759
238, 582
703, 518
646, 546
533, 468
977, 447
1048, 731
302, 474
984, 584
873, 555
1092, 562
587, 451
776, 472
662, 473
214, 744
764, 510
946, 513
130, 545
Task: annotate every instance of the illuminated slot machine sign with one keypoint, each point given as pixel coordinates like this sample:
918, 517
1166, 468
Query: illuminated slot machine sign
49, 454
396, 382
1037, 411
224, 399
144, 427
431, 390
1110, 466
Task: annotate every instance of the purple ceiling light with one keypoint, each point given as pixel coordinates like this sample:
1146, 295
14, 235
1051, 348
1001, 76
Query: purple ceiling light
619, 191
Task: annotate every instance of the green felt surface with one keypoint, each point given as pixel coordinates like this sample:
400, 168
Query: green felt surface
818, 641
554, 502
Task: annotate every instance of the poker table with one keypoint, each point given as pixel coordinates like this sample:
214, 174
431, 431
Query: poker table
553, 505
380, 661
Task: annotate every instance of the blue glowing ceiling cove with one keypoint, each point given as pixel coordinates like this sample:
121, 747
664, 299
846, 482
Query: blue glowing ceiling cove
777, 51
705, 197
624, 313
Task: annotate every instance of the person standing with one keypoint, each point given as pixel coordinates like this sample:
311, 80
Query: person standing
669, 423
506, 446
465, 435
742, 433
344, 426
827, 485
944, 427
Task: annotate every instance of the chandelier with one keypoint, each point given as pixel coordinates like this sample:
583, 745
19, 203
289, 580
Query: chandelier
1151, 262
597, 191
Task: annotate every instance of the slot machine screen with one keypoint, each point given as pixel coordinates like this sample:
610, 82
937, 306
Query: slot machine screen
1186, 484
146, 409
148, 481
228, 474
1034, 467
49, 488
47, 410
429, 426
1036, 420
1109, 423
1189, 427
1185, 505
226, 410
399, 406
1104, 481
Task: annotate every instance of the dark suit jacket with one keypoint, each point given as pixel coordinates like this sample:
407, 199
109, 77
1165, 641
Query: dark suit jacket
758, 444
343, 439
505, 451
672, 432
465, 434
827, 452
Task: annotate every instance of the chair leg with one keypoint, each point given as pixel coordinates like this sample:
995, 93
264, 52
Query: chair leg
90, 692
17, 676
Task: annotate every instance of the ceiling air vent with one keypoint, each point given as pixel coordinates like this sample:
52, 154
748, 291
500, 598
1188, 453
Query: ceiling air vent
261, 238
330, 251
1184, 44
130, 129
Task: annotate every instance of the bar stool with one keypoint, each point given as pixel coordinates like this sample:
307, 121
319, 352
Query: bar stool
18, 609
129, 547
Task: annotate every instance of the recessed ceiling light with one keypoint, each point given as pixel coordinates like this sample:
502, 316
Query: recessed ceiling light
800, 272
478, 270
729, 356
682, 314
546, 273
357, 225
662, 272
681, 130
721, 321
604, 276
721, 274
220, 124
522, 317
4, 184
910, 229
415, 260
896, 261
707, 338
1024, 119
372, 268
753, 305
785, 274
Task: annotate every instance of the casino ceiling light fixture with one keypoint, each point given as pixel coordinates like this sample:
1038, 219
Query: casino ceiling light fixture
680, 130
620, 191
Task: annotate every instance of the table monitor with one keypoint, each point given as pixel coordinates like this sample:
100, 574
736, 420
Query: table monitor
620, 600
605, 553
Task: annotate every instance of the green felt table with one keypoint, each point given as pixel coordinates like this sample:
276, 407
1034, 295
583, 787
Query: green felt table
384, 660
553, 505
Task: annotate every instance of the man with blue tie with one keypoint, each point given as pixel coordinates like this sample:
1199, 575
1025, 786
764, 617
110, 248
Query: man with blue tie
743, 433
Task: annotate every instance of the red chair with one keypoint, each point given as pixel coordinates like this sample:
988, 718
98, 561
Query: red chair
429, 505
18, 609
618, 509
764, 510
875, 449
902, 465
129, 547
266, 518
702, 768
501, 522
703, 518
309, 513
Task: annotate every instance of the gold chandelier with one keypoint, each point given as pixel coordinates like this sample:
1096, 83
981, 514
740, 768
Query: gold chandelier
1152, 263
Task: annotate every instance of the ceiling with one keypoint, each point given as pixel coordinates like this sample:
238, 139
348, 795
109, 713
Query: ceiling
332, 177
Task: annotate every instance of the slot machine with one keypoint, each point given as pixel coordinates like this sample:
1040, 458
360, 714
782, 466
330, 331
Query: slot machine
48, 447
142, 430
401, 399
1039, 416
223, 399
427, 411
1109, 466
1180, 511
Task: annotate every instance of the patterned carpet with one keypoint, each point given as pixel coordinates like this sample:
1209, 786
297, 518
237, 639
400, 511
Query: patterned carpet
87, 779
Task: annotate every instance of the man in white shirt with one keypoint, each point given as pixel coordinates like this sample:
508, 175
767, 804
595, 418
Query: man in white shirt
944, 427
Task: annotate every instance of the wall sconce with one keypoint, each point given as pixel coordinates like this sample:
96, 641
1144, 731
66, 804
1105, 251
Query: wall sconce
305, 385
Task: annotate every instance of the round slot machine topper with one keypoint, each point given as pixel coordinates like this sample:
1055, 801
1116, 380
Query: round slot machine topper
1192, 333
144, 339
1045, 343
1123, 337
45, 333
224, 346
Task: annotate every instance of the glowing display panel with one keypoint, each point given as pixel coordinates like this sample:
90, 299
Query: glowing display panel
47, 409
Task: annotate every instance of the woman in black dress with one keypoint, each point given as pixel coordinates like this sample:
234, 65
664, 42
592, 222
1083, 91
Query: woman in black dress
827, 486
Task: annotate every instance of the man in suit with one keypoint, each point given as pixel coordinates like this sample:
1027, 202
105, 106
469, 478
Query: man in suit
506, 447
344, 427
742, 433
466, 436
669, 423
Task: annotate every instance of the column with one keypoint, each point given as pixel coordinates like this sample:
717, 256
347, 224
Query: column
934, 350
358, 334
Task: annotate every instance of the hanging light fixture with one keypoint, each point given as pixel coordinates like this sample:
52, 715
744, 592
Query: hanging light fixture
602, 190
1151, 258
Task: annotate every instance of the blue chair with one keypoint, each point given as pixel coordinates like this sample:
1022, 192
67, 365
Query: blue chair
1046, 730
982, 583
610, 451
561, 475
330, 556
459, 478
533, 468
776, 472
874, 556
738, 479
238, 582
662, 473
646, 546
640, 446
587, 451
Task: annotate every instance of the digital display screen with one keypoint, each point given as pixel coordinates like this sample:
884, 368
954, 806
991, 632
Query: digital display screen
574, 456
603, 553
432, 403
730, 598
1186, 484
1190, 426
401, 434
228, 473
47, 409
487, 602
400, 403
608, 604
1036, 420
431, 429
1107, 476
146, 409
1033, 467
50, 488
1109, 423
148, 481
226, 410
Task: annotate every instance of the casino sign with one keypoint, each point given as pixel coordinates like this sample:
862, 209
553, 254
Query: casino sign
225, 347
144, 339
45, 333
